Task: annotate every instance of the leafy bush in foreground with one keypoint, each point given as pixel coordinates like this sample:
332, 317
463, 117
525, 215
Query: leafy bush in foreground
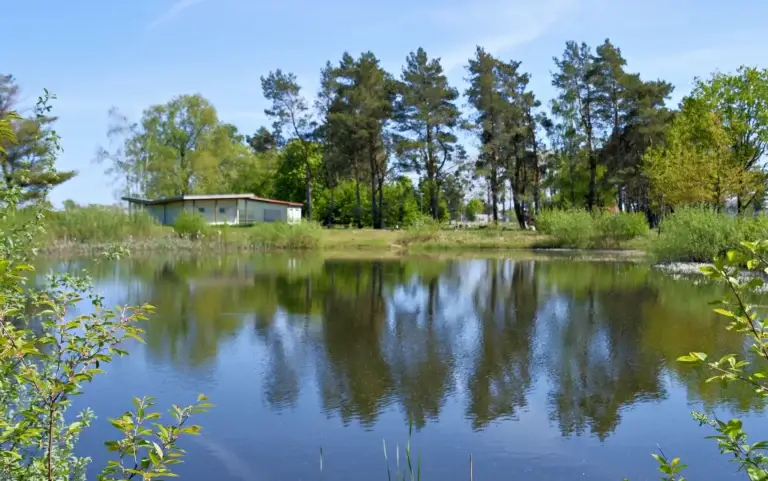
744, 318
41, 370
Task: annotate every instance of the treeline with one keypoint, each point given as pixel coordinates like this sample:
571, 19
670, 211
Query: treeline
608, 139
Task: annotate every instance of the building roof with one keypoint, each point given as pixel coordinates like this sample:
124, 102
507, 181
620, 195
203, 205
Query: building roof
182, 198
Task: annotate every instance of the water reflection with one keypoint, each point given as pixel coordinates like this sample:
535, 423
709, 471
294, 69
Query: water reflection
414, 334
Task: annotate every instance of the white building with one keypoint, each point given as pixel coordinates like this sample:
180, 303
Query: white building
230, 209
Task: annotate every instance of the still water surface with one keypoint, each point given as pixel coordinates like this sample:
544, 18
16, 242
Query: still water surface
543, 369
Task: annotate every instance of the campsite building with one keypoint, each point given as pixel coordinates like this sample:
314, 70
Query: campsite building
230, 209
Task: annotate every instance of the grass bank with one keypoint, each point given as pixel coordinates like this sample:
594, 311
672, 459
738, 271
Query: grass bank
687, 235
95, 228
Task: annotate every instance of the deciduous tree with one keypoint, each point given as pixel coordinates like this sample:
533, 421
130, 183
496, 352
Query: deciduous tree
172, 150
694, 164
740, 101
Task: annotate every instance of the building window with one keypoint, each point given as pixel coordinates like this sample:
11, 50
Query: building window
201, 210
271, 215
222, 210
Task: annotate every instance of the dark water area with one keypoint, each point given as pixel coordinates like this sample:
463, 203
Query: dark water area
542, 369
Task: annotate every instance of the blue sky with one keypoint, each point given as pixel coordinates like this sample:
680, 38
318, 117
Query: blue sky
131, 54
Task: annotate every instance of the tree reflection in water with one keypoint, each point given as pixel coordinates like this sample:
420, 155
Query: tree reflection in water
414, 333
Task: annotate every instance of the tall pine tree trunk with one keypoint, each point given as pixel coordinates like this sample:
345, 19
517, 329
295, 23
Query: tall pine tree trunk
331, 208
358, 200
431, 175
308, 173
518, 188
495, 194
536, 173
374, 181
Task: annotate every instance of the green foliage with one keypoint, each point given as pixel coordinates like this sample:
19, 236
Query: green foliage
291, 114
180, 147
742, 318
427, 116
474, 207
698, 234
279, 235
739, 101
358, 100
423, 229
571, 228
693, 165
577, 228
694, 234
191, 225
613, 229
42, 370
604, 119
401, 204
290, 176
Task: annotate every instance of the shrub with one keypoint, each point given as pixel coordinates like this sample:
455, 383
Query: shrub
615, 228
191, 225
279, 235
696, 234
571, 228
579, 229
423, 229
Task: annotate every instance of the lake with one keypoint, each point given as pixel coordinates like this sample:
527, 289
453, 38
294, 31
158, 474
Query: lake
542, 368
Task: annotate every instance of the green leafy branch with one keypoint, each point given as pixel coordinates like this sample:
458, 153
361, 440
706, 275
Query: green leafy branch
150, 452
742, 270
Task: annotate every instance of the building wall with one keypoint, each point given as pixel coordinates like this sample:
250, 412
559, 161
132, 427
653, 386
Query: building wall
229, 211
215, 211
294, 215
172, 211
252, 211
156, 211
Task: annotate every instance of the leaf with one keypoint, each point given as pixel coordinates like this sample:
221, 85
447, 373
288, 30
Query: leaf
724, 312
693, 357
158, 450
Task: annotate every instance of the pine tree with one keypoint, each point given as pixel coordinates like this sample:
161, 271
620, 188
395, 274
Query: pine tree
291, 113
23, 161
485, 96
358, 117
576, 79
427, 115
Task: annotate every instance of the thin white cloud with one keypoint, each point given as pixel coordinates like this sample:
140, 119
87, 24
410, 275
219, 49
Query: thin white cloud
514, 23
177, 8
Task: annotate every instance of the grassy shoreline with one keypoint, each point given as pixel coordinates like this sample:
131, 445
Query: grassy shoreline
338, 241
